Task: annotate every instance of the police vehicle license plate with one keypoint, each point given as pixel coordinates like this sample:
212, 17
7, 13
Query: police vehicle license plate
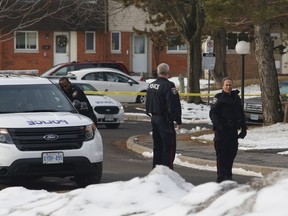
254, 117
109, 118
52, 157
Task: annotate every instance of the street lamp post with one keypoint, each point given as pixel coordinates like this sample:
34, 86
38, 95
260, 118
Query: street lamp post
242, 48
280, 50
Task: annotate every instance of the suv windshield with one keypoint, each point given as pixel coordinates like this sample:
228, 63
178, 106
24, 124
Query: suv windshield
33, 98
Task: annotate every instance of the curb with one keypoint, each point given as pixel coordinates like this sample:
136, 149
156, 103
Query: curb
264, 170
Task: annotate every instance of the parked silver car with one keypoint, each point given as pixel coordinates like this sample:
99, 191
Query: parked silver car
253, 106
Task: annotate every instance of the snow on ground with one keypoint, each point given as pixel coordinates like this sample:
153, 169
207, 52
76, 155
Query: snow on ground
160, 193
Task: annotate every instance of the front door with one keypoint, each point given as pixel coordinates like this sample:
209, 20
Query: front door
61, 47
139, 53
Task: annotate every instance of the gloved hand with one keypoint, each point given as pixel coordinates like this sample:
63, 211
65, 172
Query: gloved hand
242, 134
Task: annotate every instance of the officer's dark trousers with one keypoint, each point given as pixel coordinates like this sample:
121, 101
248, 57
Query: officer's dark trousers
226, 146
164, 139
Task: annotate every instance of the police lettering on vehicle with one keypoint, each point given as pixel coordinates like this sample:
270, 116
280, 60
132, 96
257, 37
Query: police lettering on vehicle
154, 86
43, 122
103, 102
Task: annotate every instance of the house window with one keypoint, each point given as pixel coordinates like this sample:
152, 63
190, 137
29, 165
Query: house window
26, 40
115, 42
176, 44
90, 42
234, 37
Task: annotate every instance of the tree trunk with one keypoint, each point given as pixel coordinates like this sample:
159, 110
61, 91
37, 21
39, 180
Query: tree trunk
195, 68
220, 71
271, 104
193, 40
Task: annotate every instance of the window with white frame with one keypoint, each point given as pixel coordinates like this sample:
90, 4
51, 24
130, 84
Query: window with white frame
115, 42
176, 44
26, 40
234, 37
90, 45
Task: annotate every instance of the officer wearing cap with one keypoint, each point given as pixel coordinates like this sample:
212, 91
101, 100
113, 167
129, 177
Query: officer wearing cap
163, 105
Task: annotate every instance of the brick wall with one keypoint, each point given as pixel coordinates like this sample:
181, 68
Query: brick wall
234, 66
43, 59
40, 60
124, 55
82, 55
177, 62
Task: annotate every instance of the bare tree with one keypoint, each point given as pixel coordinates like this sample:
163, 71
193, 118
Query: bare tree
259, 17
183, 18
85, 15
68, 14
18, 14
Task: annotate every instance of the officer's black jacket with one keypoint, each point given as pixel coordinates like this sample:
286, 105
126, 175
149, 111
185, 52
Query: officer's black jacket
163, 99
227, 111
75, 93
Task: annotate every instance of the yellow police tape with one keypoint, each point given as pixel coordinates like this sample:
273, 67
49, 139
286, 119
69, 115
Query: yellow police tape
144, 93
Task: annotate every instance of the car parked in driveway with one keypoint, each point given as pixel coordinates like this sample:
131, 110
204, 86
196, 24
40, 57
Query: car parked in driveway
109, 112
123, 86
62, 69
253, 106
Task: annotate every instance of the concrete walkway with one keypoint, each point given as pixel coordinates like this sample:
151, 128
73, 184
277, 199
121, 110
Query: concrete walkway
259, 161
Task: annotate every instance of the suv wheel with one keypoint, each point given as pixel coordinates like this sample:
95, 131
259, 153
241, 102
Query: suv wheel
85, 180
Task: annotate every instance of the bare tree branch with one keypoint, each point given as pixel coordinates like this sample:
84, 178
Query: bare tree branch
18, 14
63, 15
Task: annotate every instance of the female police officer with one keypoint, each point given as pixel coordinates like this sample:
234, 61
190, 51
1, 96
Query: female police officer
227, 116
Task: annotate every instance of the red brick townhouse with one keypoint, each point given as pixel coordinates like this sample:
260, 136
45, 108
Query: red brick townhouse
143, 56
52, 41
59, 37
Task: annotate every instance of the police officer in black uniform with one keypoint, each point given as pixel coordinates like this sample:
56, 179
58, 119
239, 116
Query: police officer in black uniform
227, 116
163, 105
74, 93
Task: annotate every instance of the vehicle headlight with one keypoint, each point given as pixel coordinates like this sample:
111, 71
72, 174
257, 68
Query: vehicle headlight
5, 136
90, 132
121, 107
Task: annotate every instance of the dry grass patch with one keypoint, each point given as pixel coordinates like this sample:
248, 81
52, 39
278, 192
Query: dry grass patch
187, 137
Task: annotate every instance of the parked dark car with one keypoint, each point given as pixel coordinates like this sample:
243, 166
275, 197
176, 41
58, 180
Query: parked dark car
253, 106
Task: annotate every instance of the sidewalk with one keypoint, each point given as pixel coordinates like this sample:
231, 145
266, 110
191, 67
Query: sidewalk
259, 161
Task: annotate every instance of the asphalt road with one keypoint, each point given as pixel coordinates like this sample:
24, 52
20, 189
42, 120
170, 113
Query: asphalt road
119, 160
121, 164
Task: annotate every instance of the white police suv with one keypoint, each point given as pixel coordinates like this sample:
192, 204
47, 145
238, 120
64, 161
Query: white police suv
109, 112
42, 134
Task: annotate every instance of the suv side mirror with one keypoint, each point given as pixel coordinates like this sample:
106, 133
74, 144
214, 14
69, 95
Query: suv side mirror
80, 105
